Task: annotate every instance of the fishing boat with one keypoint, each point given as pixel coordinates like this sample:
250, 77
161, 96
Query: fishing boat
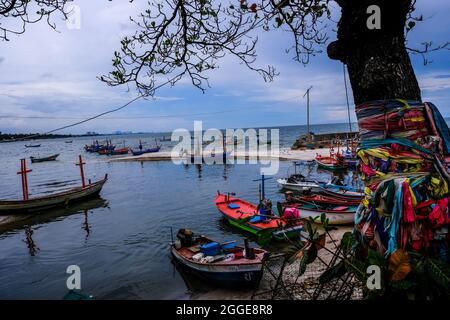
32, 145
326, 200
339, 215
298, 182
119, 151
54, 200
223, 264
68, 141
138, 152
245, 216
316, 187
342, 193
332, 162
49, 158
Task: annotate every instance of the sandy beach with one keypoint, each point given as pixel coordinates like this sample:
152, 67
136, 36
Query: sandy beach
285, 154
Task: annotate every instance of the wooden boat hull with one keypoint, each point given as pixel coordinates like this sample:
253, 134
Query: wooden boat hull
334, 191
300, 186
56, 200
333, 218
50, 158
344, 194
233, 217
141, 152
330, 163
231, 275
325, 200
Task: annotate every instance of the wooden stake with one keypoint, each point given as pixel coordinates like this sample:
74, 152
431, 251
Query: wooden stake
81, 163
23, 171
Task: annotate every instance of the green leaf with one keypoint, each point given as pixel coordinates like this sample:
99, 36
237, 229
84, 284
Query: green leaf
347, 242
303, 264
312, 254
439, 273
335, 272
280, 209
402, 285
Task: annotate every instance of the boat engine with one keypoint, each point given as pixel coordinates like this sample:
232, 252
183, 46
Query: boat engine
186, 237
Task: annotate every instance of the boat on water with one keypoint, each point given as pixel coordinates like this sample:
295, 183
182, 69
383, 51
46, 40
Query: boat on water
43, 159
68, 141
301, 184
298, 182
141, 150
32, 145
245, 216
332, 162
325, 200
336, 214
101, 148
342, 193
138, 152
224, 264
119, 151
60, 199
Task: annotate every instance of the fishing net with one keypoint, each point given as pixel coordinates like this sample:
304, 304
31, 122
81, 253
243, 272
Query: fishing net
282, 279
403, 157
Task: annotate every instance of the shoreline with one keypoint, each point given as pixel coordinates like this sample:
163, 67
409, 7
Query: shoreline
285, 154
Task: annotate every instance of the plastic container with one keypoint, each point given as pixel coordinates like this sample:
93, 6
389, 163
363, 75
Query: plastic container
229, 245
210, 249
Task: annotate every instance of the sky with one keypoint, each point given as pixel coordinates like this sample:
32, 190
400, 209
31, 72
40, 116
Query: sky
53, 74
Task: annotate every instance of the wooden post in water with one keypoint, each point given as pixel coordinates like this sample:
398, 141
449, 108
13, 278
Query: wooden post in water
23, 171
81, 163
307, 113
263, 179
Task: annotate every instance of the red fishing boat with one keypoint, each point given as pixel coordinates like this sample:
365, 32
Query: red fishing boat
332, 162
245, 216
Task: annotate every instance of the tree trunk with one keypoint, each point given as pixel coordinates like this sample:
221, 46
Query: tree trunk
377, 60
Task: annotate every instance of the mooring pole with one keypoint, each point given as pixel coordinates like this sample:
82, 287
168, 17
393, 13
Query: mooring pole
23, 171
263, 178
307, 112
81, 163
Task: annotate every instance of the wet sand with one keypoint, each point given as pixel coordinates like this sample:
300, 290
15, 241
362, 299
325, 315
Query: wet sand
285, 154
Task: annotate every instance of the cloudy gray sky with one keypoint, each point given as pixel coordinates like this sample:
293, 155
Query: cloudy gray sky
51, 77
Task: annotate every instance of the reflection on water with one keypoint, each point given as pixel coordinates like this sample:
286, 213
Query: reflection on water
121, 240
32, 248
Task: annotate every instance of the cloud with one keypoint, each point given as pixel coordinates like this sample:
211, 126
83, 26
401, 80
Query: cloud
434, 82
47, 73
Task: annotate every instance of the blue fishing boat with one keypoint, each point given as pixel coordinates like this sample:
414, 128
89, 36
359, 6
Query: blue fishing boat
141, 150
138, 152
